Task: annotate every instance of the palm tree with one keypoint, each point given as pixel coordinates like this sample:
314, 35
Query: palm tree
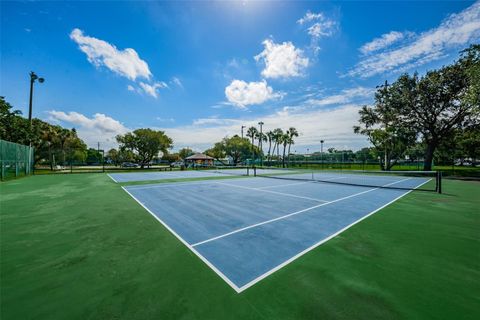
270, 138
252, 133
285, 140
64, 136
49, 136
277, 134
261, 137
293, 133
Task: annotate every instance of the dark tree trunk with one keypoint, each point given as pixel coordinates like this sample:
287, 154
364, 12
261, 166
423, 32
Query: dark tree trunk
269, 148
51, 158
427, 164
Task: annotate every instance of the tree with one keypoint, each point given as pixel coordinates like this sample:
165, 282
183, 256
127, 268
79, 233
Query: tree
239, 149
145, 143
261, 137
64, 135
185, 152
443, 100
93, 156
7, 120
50, 138
252, 133
429, 109
469, 60
293, 133
285, 139
113, 155
270, 138
383, 126
125, 155
277, 136
49, 141
171, 157
217, 152
469, 143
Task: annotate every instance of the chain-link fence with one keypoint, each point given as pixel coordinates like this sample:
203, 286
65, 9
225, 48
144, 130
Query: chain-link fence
15, 160
76, 160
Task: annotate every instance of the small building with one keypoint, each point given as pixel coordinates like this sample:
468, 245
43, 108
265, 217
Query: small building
199, 159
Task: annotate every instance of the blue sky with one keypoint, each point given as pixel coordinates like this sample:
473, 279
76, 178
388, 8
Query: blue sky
201, 70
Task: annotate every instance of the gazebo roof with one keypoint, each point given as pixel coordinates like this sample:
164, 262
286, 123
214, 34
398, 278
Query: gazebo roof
199, 156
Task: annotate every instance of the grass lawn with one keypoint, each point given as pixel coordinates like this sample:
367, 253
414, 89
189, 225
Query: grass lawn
78, 247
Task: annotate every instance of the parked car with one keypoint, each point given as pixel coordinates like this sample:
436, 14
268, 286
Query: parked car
177, 164
129, 165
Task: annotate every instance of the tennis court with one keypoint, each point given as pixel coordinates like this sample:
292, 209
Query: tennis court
246, 229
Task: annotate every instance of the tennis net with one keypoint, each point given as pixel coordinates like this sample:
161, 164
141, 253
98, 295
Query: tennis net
229, 170
405, 180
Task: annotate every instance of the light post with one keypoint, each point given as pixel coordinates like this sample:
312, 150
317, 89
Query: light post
307, 155
261, 143
242, 131
33, 78
321, 151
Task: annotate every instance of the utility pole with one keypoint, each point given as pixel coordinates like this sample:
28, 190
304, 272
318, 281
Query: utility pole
33, 77
307, 155
321, 151
261, 142
242, 131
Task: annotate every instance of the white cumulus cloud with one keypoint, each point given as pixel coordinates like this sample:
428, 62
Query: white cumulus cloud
177, 81
318, 26
243, 94
385, 40
345, 96
282, 60
310, 16
125, 62
98, 128
455, 32
152, 89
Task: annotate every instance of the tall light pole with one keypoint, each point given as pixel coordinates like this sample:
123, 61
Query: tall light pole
242, 131
33, 78
261, 142
321, 151
307, 155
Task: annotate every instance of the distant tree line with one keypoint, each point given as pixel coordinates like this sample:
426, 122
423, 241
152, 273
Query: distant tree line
57, 145
52, 143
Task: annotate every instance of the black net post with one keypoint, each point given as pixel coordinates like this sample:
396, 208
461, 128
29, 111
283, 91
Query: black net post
439, 181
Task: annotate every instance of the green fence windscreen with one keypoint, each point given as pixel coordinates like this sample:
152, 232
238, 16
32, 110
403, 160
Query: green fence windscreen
15, 160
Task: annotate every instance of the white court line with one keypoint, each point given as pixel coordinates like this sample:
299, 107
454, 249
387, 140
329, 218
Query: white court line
218, 272
270, 191
298, 255
290, 214
108, 174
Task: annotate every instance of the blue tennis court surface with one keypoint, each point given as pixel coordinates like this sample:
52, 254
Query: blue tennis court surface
245, 229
